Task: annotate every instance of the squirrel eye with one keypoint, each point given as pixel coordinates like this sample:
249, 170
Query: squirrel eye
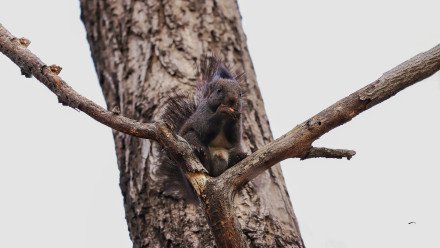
219, 90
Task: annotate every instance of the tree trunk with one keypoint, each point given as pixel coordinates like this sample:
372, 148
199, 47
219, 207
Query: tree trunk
145, 51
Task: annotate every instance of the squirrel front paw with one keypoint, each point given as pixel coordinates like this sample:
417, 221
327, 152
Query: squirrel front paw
200, 152
236, 157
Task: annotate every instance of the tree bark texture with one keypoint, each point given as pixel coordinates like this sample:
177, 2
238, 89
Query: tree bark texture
146, 51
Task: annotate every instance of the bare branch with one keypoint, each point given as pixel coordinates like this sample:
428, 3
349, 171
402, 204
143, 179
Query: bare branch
16, 49
298, 141
322, 152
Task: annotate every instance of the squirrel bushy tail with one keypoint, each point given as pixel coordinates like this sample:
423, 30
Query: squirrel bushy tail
173, 181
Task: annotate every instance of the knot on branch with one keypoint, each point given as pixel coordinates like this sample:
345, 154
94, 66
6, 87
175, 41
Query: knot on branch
24, 42
116, 110
54, 69
26, 71
313, 122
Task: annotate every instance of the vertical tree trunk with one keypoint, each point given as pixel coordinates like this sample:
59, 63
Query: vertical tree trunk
144, 51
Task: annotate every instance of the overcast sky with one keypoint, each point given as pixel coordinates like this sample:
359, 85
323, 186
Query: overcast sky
58, 173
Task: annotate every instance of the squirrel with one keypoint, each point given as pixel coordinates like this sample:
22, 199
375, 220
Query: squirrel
211, 122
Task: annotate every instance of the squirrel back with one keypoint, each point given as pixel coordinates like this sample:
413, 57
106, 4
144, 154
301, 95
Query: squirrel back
210, 122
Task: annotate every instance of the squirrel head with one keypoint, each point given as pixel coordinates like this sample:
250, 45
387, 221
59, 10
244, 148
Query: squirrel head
224, 96
219, 87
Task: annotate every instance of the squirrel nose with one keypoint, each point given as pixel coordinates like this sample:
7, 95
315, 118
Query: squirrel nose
232, 101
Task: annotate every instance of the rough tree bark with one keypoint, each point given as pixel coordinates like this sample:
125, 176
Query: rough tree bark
144, 51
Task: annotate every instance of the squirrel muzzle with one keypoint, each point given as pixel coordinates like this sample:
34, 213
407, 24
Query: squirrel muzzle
226, 109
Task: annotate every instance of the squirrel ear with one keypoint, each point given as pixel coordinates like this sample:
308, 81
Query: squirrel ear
212, 66
223, 72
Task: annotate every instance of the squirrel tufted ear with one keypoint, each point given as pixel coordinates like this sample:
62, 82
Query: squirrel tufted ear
212, 66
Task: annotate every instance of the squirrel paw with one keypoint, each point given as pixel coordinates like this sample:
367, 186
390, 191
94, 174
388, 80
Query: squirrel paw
200, 152
237, 157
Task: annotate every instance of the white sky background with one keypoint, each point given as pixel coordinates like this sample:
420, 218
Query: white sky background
58, 174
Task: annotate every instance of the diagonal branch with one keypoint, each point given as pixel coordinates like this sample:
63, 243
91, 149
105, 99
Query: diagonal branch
322, 152
16, 50
298, 141
30, 64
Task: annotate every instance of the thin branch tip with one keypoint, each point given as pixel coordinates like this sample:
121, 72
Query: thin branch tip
322, 152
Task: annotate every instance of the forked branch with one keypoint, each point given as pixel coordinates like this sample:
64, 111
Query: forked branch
217, 193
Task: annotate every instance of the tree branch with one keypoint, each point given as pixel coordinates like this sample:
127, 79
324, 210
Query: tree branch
16, 50
297, 142
322, 152
30, 64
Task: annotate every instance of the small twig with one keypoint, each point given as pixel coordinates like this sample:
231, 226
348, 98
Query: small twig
322, 152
